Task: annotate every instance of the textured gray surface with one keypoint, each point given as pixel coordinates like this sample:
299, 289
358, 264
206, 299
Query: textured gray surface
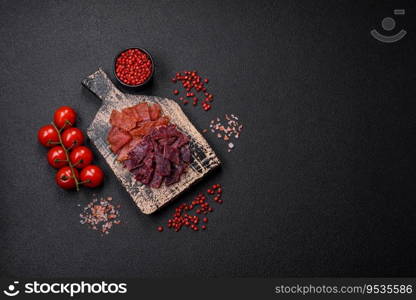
321, 182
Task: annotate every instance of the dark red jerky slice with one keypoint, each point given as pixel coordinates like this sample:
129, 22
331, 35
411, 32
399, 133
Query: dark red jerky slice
144, 175
172, 154
124, 151
167, 140
117, 138
163, 167
131, 164
172, 131
186, 154
155, 160
156, 181
162, 132
137, 155
175, 175
159, 133
182, 140
148, 160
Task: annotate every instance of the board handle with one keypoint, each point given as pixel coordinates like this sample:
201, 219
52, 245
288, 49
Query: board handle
102, 86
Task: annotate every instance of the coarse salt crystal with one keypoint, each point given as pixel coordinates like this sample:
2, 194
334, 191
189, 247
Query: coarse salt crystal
232, 129
100, 215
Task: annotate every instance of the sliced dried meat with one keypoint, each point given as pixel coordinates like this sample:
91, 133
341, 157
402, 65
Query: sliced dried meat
186, 154
182, 140
172, 154
131, 113
156, 181
137, 154
175, 175
149, 147
145, 172
143, 129
122, 120
155, 155
142, 110
146, 127
144, 175
124, 151
161, 133
131, 164
162, 121
167, 140
163, 167
117, 138
171, 130
154, 111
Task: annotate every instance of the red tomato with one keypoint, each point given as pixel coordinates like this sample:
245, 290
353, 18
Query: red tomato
64, 116
72, 137
65, 179
91, 176
48, 134
81, 157
57, 157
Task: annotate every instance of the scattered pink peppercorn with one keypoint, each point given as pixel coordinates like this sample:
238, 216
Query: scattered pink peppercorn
191, 80
183, 216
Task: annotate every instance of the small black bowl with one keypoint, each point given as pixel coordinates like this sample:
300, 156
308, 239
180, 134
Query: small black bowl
143, 83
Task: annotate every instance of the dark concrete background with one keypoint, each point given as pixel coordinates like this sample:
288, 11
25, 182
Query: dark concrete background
321, 182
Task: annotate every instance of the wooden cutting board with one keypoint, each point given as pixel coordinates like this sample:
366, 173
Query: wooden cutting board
146, 198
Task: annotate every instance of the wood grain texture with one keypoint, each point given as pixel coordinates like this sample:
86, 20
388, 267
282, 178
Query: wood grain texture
146, 198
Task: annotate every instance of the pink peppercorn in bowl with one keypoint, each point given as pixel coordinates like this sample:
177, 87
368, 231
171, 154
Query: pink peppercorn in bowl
134, 67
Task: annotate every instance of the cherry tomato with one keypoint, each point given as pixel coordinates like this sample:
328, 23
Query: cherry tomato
81, 157
57, 157
64, 116
65, 179
72, 137
91, 176
48, 134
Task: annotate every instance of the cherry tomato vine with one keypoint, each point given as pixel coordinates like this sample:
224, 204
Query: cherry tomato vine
71, 166
67, 153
